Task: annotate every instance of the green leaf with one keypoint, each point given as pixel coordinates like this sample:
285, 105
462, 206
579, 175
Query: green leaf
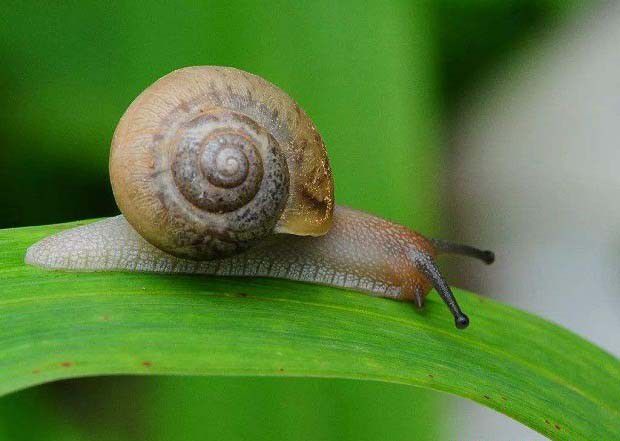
61, 325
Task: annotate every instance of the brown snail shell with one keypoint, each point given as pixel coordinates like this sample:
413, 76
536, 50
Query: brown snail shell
209, 160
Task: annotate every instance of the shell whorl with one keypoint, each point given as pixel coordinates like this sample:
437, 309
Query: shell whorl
223, 181
208, 160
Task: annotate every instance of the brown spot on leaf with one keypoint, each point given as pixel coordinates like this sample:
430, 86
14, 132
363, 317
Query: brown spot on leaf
147, 364
36, 371
281, 370
242, 294
557, 426
487, 397
547, 421
430, 376
66, 364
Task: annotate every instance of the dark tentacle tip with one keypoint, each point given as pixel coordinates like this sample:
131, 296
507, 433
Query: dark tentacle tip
462, 321
488, 257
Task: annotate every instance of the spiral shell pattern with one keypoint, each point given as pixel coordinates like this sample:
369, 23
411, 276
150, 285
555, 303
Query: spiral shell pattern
201, 164
219, 163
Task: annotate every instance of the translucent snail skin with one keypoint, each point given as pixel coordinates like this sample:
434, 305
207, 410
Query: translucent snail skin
217, 171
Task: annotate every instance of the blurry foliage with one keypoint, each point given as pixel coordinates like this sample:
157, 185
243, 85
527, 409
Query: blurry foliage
371, 77
474, 36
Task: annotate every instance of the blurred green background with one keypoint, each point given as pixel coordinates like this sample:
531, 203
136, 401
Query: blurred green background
381, 79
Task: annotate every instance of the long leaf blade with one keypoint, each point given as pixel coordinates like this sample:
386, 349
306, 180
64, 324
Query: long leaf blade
61, 325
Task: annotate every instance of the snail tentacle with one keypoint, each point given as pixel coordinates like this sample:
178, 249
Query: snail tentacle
446, 247
429, 268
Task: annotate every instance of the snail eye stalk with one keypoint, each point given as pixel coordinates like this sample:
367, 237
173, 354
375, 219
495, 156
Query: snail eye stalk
445, 247
427, 266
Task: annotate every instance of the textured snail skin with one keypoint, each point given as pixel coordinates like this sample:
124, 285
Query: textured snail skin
208, 160
360, 252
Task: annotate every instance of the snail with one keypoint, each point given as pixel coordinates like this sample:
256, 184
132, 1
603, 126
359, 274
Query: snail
217, 171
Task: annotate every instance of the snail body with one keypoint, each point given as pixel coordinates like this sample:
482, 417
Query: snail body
217, 171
